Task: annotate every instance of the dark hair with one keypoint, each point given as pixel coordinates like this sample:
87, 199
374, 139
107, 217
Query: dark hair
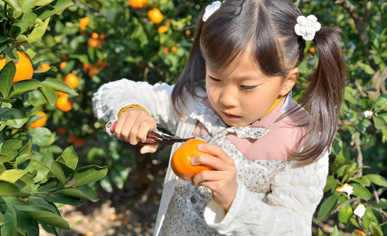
268, 26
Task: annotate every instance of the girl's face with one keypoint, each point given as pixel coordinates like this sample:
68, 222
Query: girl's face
242, 94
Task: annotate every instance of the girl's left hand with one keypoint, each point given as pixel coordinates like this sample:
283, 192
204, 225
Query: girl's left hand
222, 181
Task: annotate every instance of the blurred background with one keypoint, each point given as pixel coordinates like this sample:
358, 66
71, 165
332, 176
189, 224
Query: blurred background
88, 43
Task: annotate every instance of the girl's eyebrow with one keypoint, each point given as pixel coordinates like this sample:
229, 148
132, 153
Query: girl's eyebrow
242, 77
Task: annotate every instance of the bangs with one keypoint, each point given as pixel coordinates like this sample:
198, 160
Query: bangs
235, 27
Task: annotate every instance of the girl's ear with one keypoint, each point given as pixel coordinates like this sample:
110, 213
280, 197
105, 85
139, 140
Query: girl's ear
289, 81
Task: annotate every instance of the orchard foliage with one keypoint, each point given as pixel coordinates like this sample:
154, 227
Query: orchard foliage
36, 175
100, 41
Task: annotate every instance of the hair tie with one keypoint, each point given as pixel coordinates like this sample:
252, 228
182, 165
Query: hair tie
307, 27
210, 9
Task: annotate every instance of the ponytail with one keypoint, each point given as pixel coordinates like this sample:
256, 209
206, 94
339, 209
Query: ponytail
323, 96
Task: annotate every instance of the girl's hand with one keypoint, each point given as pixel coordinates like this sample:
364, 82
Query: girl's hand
222, 181
133, 126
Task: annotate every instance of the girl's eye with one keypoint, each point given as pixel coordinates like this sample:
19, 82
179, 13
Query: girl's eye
248, 87
214, 79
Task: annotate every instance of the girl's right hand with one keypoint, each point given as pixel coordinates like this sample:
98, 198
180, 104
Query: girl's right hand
133, 126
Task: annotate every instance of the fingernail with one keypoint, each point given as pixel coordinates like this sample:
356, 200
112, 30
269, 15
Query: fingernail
200, 147
193, 161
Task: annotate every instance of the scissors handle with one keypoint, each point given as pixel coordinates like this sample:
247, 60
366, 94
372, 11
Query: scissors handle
153, 137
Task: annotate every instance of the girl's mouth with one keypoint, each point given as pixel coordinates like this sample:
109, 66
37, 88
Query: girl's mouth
230, 116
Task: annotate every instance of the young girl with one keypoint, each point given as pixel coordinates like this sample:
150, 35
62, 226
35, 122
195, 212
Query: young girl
271, 154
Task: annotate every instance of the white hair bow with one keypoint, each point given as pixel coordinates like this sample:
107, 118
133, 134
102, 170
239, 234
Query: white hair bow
210, 9
307, 27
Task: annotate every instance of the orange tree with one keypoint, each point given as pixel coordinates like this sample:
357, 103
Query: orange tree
102, 41
36, 175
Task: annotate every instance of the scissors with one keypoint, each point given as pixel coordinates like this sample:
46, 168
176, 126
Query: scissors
153, 137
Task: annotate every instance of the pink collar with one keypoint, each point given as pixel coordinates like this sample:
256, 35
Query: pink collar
265, 139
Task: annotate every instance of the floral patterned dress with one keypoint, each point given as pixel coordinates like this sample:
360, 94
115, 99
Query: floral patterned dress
185, 211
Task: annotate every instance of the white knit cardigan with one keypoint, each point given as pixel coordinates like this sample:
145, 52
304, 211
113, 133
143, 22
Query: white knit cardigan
295, 191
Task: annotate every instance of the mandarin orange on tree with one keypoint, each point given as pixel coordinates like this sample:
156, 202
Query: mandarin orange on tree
43, 66
40, 122
63, 104
138, 4
62, 130
155, 15
62, 65
96, 41
72, 80
84, 22
24, 68
181, 160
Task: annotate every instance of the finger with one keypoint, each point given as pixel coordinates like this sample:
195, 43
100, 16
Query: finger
206, 177
123, 127
209, 160
143, 130
148, 149
216, 151
133, 134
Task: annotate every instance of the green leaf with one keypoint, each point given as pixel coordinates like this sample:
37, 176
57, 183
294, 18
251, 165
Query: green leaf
28, 20
61, 171
28, 5
21, 39
335, 232
10, 221
60, 86
381, 102
39, 201
348, 95
64, 199
69, 158
24, 86
81, 192
56, 7
89, 174
15, 4
345, 212
327, 207
12, 117
361, 191
6, 77
10, 147
12, 175
41, 136
330, 184
43, 2
38, 32
376, 179
379, 122
382, 204
8, 189
24, 153
38, 169
368, 218
1, 219
49, 94
363, 181
5, 158
354, 222
44, 215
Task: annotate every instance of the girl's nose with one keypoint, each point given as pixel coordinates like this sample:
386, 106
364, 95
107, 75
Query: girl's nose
228, 97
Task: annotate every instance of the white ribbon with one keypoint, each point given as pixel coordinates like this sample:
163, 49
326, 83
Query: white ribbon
210, 9
307, 27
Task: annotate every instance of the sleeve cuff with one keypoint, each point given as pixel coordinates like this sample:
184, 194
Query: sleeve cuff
130, 106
